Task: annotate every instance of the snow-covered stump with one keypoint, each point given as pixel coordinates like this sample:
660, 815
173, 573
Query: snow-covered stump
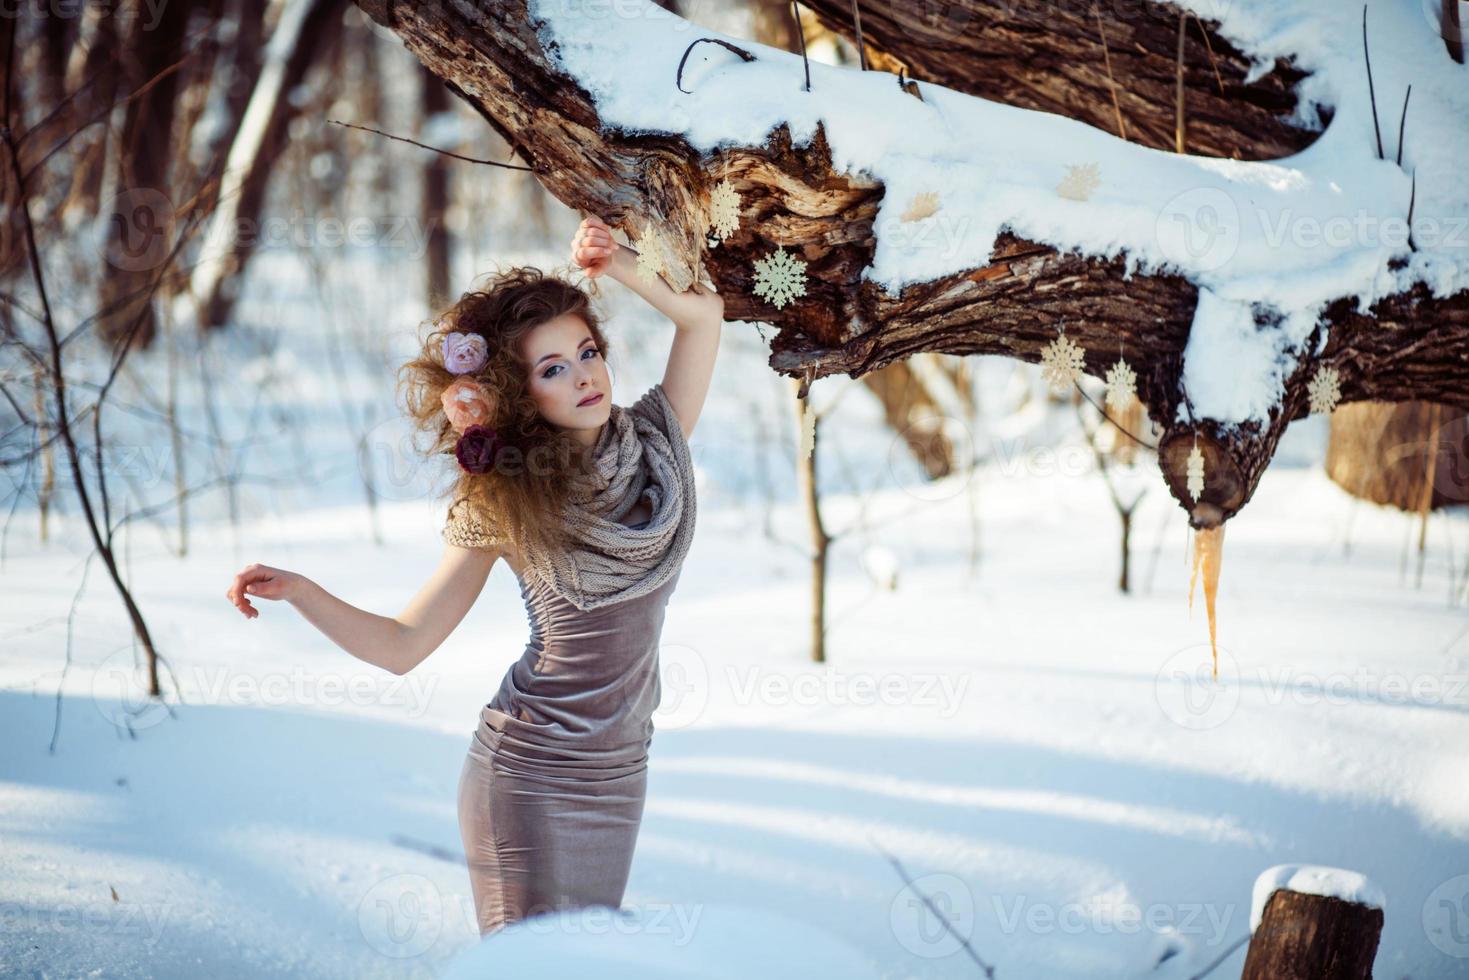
1313, 923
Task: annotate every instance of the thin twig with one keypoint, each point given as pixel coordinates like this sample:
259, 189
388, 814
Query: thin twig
1117, 425
907, 84
447, 153
989, 970
1101, 460
801, 32
1402, 123
1209, 47
1371, 92
140, 91
1111, 81
104, 69
1412, 199
1179, 142
861, 48
424, 847
20, 305
1222, 957
678, 78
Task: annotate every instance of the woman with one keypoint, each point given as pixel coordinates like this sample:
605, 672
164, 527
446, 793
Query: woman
592, 507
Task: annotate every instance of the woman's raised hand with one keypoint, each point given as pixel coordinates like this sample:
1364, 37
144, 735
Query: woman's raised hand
262, 582
592, 246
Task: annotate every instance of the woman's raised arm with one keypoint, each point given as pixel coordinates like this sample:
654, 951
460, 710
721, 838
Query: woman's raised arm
396, 644
697, 314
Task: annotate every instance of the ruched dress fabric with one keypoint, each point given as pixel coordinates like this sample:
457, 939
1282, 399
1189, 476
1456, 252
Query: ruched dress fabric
552, 789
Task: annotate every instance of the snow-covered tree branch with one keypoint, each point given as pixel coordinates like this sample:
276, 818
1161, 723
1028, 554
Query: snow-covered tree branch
929, 219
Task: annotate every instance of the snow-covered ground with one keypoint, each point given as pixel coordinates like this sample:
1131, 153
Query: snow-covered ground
1011, 746
1045, 758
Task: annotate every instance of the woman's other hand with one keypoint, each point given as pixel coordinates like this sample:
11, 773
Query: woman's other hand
592, 246
262, 582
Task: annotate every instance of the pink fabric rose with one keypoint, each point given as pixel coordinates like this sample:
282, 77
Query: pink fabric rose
465, 403
464, 352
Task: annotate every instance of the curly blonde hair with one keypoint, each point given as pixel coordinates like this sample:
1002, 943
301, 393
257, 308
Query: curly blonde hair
523, 504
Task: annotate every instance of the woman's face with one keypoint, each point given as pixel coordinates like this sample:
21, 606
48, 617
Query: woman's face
566, 368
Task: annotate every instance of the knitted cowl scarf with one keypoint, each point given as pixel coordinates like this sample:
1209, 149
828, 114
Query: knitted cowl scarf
640, 452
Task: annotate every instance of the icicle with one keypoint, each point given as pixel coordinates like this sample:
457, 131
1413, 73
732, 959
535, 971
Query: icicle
808, 427
1208, 550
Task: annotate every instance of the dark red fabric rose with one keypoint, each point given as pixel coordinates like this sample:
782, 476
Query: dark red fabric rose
478, 448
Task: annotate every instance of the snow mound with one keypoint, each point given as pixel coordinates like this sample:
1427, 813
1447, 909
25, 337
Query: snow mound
662, 941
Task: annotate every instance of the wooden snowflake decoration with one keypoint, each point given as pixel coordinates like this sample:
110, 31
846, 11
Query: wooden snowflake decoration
1325, 390
808, 428
1195, 473
1121, 385
724, 209
1079, 182
921, 206
650, 254
780, 277
1062, 362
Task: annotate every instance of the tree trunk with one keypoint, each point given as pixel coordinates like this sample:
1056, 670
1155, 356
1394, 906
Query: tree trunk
56, 39
435, 200
240, 73
305, 31
1124, 579
125, 300
905, 405
99, 29
820, 540
1410, 455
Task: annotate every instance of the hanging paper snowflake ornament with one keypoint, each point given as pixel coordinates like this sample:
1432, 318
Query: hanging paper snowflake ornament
780, 277
1079, 182
1325, 390
1062, 362
1195, 472
724, 209
1121, 385
650, 254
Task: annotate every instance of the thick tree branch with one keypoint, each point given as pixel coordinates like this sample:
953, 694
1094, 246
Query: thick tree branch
1408, 346
1050, 56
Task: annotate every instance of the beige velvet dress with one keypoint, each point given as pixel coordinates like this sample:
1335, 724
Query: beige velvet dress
552, 789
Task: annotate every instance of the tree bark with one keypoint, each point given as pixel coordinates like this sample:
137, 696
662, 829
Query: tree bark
1408, 346
1049, 56
1313, 937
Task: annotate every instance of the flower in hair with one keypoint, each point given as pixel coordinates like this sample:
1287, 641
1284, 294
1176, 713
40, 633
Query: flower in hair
465, 403
464, 352
478, 449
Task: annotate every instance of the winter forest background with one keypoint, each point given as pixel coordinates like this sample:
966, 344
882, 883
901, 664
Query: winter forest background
939, 697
